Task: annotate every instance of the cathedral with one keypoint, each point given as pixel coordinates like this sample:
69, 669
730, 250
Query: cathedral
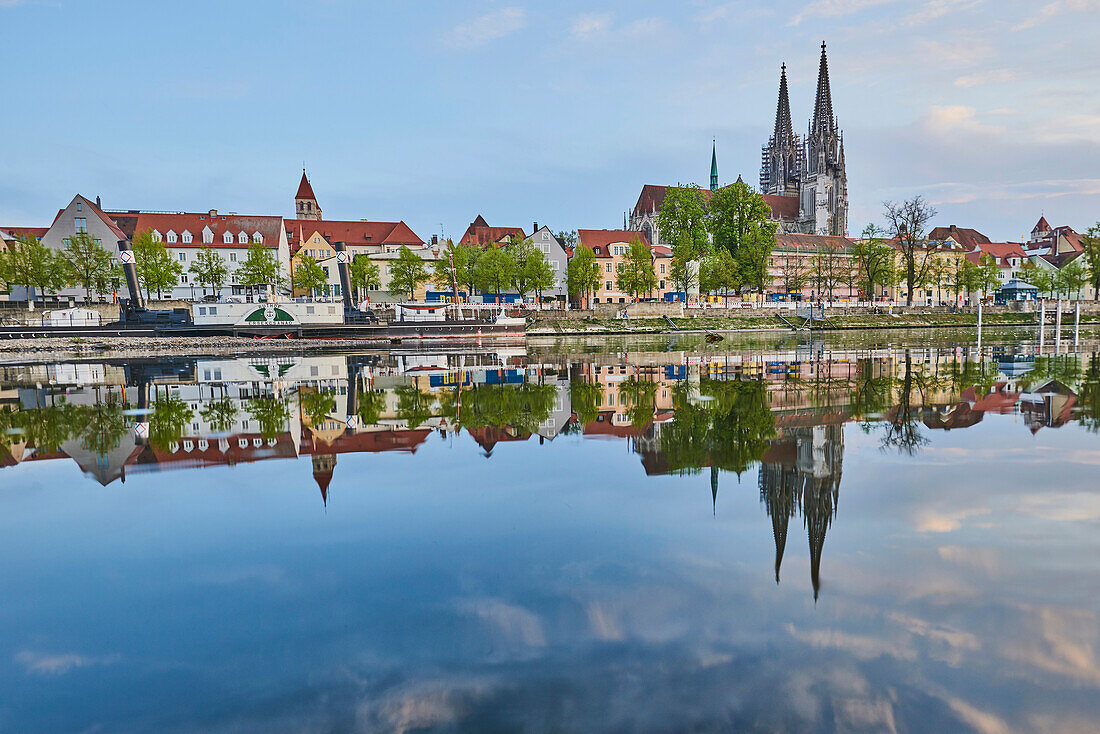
803, 181
809, 172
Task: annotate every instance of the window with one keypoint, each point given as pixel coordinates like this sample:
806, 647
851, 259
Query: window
183, 278
214, 312
207, 235
607, 285
171, 237
227, 238
232, 257
662, 268
622, 267
202, 312
607, 268
81, 224
545, 236
257, 238
79, 207
242, 238
597, 251
186, 237
156, 236
183, 256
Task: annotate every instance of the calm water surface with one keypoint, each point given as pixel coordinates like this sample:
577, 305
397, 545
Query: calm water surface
651, 536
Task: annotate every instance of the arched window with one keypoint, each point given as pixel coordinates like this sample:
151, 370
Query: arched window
242, 238
227, 238
186, 237
207, 235
257, 238
171, 236
156, 236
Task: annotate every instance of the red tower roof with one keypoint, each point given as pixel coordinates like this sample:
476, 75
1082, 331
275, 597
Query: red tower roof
305, 191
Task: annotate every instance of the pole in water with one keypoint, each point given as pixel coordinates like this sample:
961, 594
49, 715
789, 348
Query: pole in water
1077, 324
979, 327
1042, 323
1058, 327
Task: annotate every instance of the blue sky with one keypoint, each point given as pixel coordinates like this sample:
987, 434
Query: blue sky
434, 112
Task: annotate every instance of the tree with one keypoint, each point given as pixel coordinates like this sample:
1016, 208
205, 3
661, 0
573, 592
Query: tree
907, 223
637, 275
792, 273
1071, 278
987, 276
220, 414
90, 265
364, 274
567, 239
740, 223
209, 269
168, 420
307, 275
939, 273
407, 273
531, 269
157, 270
271, 413
260, 268
826, 270
719, 273
33, 265
494, 271
1090, 243
1038, 276
457, 268
682, 222
583, 273
874, 260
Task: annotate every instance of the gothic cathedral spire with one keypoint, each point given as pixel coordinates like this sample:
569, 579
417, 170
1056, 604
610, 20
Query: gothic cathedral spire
781, 160
305, 201
714, 166
824, 198
823, 104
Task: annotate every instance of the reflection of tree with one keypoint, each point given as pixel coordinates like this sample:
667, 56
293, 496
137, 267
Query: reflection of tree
727, 427
871, 393
1088, 398
317, 405
413, 406
977, 374
586, 399
902, 425
166, 423
47, 427
639, 396
1064, 368
271, 413
103, 424
523, 407
220, 414
371, 403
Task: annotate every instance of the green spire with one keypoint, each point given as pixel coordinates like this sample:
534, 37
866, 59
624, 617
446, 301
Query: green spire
714, 166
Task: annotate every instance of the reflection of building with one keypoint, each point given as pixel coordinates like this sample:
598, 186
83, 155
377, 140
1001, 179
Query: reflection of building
801, 472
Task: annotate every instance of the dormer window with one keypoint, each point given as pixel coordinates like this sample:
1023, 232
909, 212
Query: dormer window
242, 238
227, 238
207, 235
171, 236
186, 237
257, 238
596, 250
156, 236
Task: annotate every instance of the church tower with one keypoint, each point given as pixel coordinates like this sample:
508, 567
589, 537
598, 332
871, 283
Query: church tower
713, 166
305, 202
824, 194
782, 159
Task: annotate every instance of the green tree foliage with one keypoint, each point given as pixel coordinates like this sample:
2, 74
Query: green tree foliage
586, 399
1090, 242
1088, 396
307, 276
413, 406
89, 264
31, 264
719, 273
365, 275
908, 222
209, 269
456, 267
874, 260
157, 270
988, 274
1071, 278
407, 273
567, 238
369, 406
260, 268
739, 219
219, 414
168, 420
103, 424
532, 271
639, 399
583, 274
637, 276
683, 223
317, 405
271, 413
494, 271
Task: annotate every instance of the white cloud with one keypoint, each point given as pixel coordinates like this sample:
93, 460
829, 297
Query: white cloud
39, 663
489, 27
982, 722
1058, 7
982, 78
589, 23
937, 9
949, 120
833, 8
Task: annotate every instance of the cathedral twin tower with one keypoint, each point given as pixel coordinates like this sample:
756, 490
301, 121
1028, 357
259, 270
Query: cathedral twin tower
812, 170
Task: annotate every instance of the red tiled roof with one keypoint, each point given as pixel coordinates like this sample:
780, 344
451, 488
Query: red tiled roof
783, 207
810, 242
268, 227
968, 238
1001, 251
1041, 226
661, 251
36, 232
305, 191
480, 233
601, 238
353, 233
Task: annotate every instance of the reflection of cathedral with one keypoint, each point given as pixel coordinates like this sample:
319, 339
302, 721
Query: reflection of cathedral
801, 472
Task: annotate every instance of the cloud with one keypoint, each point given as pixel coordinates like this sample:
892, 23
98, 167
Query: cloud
982, 78
38, 663
833, 8
951, 120
934, 521
513, 624
489, 27
588, 23
981, 721
937, 9
1058, 7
